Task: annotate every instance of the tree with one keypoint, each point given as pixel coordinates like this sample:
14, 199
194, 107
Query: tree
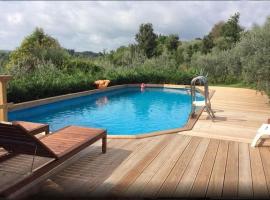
146, 39
207, 44
247, 61
186, 51
216, 31
36, 49
225, 34
172, 42
231, 29
223, 43
3, 59
253, 51
161, 40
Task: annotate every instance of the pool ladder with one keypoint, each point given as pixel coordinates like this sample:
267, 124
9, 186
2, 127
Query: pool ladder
206, 103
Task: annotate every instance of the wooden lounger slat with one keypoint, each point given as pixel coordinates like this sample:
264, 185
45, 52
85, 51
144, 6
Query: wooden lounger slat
64, 145
29, 125
34, 128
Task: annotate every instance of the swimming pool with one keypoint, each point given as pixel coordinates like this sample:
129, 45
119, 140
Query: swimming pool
124, 111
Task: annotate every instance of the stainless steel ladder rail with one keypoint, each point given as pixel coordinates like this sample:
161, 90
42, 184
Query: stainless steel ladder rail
207, 103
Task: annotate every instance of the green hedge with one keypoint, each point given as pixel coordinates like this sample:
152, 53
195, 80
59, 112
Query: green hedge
48, 82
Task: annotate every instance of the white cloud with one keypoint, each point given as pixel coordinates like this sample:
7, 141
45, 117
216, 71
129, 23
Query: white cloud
15, 18
106, 25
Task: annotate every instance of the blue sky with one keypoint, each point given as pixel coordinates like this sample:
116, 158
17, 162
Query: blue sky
102, 25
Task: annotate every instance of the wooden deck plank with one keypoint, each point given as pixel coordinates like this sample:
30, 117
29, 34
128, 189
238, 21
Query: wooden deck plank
8, 178
258, 176
185, 185
17, 168
153, 186
198, 173
201, 182
245, 188
230, 187
170, 154
175, 175
90, 170
75, 172
21, 164
120, 172
264, 151
215, 185
135, 171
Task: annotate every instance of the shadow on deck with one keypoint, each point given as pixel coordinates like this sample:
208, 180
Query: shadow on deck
87, 172
93, 167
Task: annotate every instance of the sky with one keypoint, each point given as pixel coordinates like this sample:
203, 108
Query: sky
106, 25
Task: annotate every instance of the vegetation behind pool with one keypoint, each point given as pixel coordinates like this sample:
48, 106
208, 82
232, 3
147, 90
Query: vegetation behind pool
229, 54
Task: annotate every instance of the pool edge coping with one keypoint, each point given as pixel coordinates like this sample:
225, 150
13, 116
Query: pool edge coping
188, 126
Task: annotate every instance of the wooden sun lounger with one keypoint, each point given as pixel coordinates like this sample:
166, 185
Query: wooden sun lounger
60, 145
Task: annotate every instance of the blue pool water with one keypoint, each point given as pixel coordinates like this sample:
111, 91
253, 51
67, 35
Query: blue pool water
126, 111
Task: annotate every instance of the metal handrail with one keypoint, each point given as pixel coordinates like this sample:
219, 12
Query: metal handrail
201, 80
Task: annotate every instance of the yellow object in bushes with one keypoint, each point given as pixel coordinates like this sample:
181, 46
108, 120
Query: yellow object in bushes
102, 83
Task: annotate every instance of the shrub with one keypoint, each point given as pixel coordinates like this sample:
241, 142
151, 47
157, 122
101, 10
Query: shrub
47, 81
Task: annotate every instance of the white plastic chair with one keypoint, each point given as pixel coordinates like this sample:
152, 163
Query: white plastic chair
263, 130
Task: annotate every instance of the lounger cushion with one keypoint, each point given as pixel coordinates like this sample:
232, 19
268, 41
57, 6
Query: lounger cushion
69, 138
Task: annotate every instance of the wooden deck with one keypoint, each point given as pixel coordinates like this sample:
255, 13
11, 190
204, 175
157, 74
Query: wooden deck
239, 112
167, 166
213, 160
